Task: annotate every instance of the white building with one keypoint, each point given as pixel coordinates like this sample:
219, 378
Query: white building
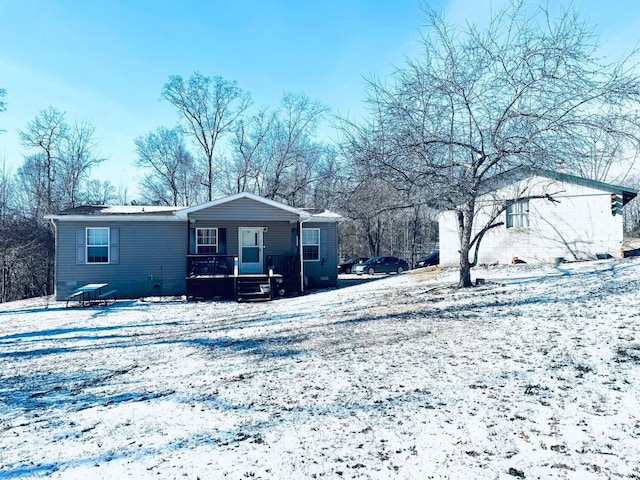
542, 216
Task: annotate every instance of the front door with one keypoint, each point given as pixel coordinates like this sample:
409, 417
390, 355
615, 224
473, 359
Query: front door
250, 258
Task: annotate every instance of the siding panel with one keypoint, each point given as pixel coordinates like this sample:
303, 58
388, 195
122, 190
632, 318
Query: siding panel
243, 209
324, 273
151, 259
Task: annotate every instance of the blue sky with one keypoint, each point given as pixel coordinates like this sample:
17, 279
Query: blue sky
106, 62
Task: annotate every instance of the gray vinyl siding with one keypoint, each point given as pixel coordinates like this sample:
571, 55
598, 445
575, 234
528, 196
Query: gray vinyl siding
324, 273
277, 239
151, 259
243, 209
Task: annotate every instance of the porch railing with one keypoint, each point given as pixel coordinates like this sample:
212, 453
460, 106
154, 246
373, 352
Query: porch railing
286, 265
210, 265
203, 265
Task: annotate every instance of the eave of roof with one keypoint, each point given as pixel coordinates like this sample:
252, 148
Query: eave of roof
184, 213
103, 213
520, 173
325, 216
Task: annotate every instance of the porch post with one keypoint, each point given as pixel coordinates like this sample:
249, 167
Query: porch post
301, 256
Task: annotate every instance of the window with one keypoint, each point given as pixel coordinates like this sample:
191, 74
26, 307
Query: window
97, 245
311, 244
206, 241
518, 214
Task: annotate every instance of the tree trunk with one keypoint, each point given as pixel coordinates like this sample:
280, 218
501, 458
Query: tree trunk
465, 224
465, 270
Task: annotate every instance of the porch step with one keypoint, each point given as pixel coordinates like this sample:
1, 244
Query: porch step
253, 289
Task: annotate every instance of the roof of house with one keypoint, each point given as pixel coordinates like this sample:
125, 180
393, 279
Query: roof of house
522, 173
184, 213
165, 213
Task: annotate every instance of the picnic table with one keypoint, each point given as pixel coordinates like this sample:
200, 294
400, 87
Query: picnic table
91, 294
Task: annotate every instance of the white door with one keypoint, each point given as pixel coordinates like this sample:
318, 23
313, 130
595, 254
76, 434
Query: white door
250, 257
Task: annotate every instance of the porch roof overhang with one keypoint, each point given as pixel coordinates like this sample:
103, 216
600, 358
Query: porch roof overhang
301, 214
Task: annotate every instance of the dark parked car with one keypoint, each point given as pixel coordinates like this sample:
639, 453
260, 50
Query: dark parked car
381, 265
347, 267
432, 259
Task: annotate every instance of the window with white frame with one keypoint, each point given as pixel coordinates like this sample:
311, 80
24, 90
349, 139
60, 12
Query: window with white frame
518, 214
206, 241
311, 244
97, 245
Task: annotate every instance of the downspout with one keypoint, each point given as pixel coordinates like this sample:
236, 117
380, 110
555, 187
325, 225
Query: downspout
300, 222
55, 257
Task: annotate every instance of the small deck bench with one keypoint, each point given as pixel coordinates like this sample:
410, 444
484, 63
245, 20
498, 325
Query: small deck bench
107, 296
75, 296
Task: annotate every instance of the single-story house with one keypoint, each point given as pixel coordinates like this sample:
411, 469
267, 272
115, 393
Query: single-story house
243, 246
544, 217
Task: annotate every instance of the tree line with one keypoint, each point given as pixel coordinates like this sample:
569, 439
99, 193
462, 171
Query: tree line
528, 89
218, 148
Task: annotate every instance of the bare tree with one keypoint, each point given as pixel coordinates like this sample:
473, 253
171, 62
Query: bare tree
77, 158
172, 179
6, 188
50, 179
34, 188
45, 135
122, 194
63, 156
251, 143
290, 165
209, 109
527, 90
276, 155
3, 105
7, 233
99, 193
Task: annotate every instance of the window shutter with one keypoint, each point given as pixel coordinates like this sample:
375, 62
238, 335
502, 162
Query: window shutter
192, 241
80, 246
294, 241
114, 245
222, 241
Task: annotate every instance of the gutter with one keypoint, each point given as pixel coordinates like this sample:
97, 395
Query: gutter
114, 218
54, 223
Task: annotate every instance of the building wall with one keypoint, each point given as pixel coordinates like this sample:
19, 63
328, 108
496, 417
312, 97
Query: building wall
577, 225
152, 253
278, 237
324, 272
152, 259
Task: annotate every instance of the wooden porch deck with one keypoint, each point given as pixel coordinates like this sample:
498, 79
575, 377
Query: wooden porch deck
216, 276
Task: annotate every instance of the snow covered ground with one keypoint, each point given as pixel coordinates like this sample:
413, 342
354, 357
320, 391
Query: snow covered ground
535, 374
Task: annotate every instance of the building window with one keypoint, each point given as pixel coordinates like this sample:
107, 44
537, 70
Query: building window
97, 245
206, 241
518, 214
311, 244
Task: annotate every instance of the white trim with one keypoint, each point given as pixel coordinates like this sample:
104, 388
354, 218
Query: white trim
208, 244
302, 244
115, 218
517, 214
87, 246
260, 263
